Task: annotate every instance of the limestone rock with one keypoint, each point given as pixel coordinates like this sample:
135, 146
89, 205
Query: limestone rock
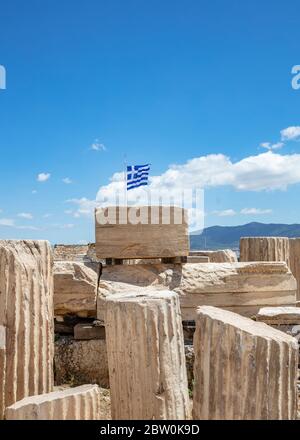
264, 249
279, 315
2, 368
81, 403
65, 252
220, 256
161, 236
243, 369
146, 359
197, 259
89, 331
240, 287
26, 312
295, 261
75, 286
79, 362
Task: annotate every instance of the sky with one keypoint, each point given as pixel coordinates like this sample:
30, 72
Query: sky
201, 90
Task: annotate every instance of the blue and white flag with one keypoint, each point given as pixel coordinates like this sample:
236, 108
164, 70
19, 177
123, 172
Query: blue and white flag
137, 175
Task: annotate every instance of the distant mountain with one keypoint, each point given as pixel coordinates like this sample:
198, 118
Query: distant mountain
223, 237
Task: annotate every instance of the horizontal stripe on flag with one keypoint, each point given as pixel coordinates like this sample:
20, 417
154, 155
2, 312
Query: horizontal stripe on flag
137, 185
134, 182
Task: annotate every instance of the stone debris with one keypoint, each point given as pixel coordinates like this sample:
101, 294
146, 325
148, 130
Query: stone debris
26, 313
158, 236
80, 362
81, 403
243, 369
240, 287
75, 285
146, 358
72, 252
89, 331
279, 315
220, 256
197, 259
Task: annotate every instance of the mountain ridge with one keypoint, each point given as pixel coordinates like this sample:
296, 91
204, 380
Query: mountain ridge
228, 237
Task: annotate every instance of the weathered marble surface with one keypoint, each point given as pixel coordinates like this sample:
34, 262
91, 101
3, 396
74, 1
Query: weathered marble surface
80, 403
240, 287
146, 358
26, 320
156, 235
75, 285
243, 369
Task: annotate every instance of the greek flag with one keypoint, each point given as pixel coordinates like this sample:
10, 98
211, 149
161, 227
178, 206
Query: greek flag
137, 175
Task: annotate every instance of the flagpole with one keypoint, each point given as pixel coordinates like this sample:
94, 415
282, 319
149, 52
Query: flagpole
125, 178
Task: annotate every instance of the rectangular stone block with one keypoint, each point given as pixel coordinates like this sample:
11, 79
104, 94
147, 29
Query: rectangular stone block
220, 256
26, 313
240, 287
81, 403
144, 232
279, 315
244, 370
75, 286
89, 331
197, 259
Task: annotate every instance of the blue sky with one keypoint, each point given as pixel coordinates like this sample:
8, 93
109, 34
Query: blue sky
164, 82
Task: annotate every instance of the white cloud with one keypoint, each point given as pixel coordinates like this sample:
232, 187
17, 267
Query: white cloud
7, 222
26, 215
30, 228
85, 207
256, 211
290, 133
47, 215
98, 146
265, 171
34, 191
270, 146
225, 213
42, 177
67, 226
67, 180
62, 226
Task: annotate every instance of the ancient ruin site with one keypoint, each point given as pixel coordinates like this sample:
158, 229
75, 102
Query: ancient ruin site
137, 327
149, 218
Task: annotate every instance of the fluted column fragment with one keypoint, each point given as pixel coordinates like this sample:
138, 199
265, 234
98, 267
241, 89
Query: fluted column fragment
26, 313
264, 249
146, 359
243, 369
80, 403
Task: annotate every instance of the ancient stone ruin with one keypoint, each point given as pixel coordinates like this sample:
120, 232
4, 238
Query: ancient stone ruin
137, 326
273, 249
81, 403
145, 329
26, 320
243, 369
